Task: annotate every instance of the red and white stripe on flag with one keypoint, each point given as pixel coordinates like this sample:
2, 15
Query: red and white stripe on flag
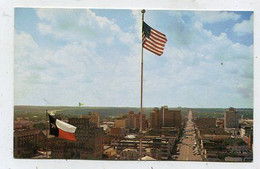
154, 41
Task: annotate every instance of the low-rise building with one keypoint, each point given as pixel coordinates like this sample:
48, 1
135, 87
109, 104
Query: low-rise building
233, 159
110, 152
27, 142
129, 154
22, 124
158, 148
246, 130
243, 149
220, 123
118, 131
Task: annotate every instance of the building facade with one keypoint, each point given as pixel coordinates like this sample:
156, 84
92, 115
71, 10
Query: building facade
154, 118
94, 119
133, 120
231, 118
130, 120
118, 131
27, 141
120, 123
88, 144
143, 121
157, 148
165, 117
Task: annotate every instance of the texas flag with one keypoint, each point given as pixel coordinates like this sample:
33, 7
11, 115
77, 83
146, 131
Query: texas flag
61, 129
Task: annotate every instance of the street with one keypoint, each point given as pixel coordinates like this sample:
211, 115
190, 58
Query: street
188, 148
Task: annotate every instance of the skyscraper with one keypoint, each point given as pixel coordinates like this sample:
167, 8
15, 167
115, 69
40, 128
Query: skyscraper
133, 121
121, 123
130, 123
137, 121
94, 118
231, 118
88, 144
165, 117
154, 118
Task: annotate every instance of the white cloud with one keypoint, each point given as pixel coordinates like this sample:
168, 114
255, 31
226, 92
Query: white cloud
196, 69
44, 29
77, 70
72, 73
24, 40
70, 25
25, 63
199, 68
244, 27
215, 17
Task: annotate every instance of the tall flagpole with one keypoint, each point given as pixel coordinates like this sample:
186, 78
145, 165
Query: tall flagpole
46, 132
141, 103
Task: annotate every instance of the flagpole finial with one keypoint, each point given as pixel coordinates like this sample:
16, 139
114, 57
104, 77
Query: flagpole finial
143, 11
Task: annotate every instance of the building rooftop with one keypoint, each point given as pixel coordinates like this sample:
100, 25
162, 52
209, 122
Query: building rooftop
48, 132
233, 159
105, 126
24, 132
130, 136
147, 158
130, 149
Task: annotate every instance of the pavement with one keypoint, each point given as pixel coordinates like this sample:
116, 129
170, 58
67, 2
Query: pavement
188, 151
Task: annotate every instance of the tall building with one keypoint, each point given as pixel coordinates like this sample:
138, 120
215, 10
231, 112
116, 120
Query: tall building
163, 112
94, 118
133, 121
120, 123
231, 118
177, 118
154, 118
165, 118
137, 121
89, 144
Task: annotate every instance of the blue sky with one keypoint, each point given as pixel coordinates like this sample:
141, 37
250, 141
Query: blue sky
66, 56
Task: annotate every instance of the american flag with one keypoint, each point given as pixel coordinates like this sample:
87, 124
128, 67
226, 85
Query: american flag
153, 40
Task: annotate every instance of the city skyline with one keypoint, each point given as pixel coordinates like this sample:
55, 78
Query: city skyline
168, 134
66, 56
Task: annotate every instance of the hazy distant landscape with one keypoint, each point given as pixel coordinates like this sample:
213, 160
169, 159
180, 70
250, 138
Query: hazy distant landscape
36, 113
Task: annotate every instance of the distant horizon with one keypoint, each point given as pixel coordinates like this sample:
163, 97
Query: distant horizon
136, 107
